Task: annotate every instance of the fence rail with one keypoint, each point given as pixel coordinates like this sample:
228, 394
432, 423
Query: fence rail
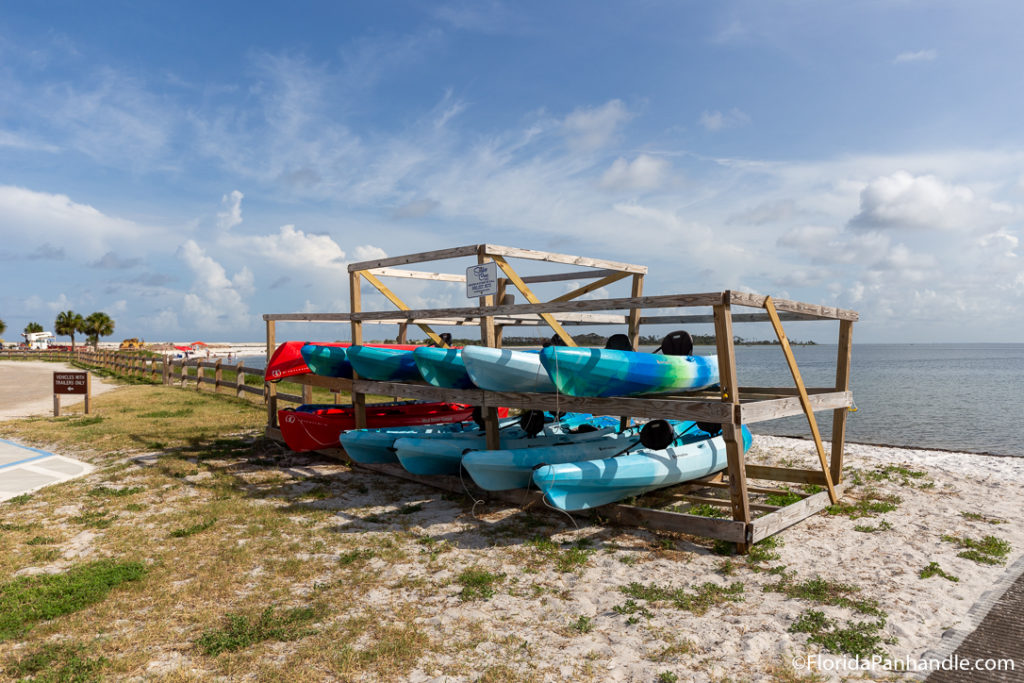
157, 368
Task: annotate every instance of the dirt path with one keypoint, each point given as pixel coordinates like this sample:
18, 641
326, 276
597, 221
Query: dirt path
26, 388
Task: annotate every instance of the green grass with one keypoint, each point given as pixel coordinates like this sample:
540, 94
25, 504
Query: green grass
933, 569
827, 593
764, 550
477, 584
583, 625
164, 414
704, 597
870, 505
187, 531
978, 517
868, 529
706, 510
860, 639
565, 560
58, 662
108, 492
95, 519
242, 630
989, 550
20, 500
28, 600
41, 540
783, 499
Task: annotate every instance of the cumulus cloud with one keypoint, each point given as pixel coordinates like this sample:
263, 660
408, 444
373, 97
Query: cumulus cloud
715, 120
643, 173
216, 301
902, 200
368, 252
919, 56
294, 248
232, 213
591, 129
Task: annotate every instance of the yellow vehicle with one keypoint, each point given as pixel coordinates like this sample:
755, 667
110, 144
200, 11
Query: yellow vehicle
131, 344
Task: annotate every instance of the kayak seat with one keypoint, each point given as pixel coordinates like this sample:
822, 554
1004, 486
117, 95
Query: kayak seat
678, 343
618, 342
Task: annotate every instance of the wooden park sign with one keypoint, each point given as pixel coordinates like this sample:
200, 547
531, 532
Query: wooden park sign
71, 383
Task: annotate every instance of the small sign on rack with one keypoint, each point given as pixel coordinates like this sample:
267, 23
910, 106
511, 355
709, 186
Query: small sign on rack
482, 280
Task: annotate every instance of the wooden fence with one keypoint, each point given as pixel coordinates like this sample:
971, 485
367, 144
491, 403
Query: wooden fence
169, 371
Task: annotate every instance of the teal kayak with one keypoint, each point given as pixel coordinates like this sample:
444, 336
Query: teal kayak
442, 367
580, 371
506, 370
327, 361
383, 365
501, 470
444, 456
591, 483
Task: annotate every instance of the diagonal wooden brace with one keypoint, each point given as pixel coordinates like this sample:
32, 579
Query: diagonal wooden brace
393, 298
769, 306
529, 295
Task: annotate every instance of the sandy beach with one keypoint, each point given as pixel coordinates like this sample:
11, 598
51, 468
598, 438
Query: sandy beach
589, 622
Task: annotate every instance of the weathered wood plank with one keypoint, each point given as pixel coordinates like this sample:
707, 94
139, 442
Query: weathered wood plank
774, 522
418, 275
586, 289
514, 278
560, 277
823, 312
436, 255
724, 502
842, 384
732, 432
551, 257
661, 301
663, 520
736, 318
772, 409
786, 474
766, 490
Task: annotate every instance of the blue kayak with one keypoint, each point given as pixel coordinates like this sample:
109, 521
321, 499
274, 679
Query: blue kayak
591, 483
444, 456
442, 367
327, 361
512, 468
383, 365
506, 370
607, 372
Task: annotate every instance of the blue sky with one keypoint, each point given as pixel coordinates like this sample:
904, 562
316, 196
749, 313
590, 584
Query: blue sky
187, 167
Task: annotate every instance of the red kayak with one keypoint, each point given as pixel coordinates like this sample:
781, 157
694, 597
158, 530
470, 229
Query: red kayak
315, 426
287, 361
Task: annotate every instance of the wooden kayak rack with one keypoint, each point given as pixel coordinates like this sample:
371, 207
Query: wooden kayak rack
732, 407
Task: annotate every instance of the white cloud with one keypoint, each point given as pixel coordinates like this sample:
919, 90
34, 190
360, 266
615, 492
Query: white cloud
919, 56
216, 301
902, 200
293, 248
715, 120
643, 173
368, 252
232, 213
590, 129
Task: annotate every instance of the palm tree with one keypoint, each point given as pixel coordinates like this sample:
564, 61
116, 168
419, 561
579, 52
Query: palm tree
67, 324
3, 326
97, 325
33, 327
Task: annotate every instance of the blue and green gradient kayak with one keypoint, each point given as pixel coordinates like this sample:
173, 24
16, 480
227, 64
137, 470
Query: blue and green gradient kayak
606, 372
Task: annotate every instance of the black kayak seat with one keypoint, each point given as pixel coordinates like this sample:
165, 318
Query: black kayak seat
678, 343
618, 342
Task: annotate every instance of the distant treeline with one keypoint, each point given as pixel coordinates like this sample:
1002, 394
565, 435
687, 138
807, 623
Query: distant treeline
592, 339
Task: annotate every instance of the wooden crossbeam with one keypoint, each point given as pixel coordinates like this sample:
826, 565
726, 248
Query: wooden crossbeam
531, 297
586, 289
805, 401
393, 298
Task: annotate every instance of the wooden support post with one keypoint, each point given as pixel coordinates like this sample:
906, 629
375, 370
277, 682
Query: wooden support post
633, 328
403, 331
489, 338
269, 387
200, 373
355, 306
218, 375
165, 370
804, 400
732, 432
88, 391
842, 384
239, 379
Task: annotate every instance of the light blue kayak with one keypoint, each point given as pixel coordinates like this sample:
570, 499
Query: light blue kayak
376, 446
383, 365
442, 367
513, 468
591, 483
606, 372
506, 370
327, 361
444, 456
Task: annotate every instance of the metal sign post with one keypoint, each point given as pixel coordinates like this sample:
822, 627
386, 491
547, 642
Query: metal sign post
71, 383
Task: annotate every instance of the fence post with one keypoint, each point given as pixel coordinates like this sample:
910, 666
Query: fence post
217, 376
199, 375
165, 370
239, 379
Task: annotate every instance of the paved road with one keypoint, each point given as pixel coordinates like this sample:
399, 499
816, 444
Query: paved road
26, 388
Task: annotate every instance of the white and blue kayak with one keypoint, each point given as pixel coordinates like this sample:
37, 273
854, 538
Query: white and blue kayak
442, 367
376, 446
444, 456
580, 371
501, 470
506, 370
591, 483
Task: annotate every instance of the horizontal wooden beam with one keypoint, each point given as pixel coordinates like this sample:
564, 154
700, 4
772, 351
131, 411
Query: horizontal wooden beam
710, 318
533, 255
814, 310
785, 517
772, 409
578, 275
787, 474
417, 275
664, 520
436, 255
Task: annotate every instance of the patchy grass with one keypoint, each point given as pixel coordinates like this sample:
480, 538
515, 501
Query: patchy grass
28, 600
764, 550
565, 559
868, 529
194, 529
243, 630
826, 592
933, 569
66, 661
978, 517
989, 550
477, 584
109, 492
861, 639
706, 510
783, 499
873, 503
704, 597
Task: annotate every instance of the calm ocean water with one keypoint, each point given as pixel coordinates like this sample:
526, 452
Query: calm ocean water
965, 397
